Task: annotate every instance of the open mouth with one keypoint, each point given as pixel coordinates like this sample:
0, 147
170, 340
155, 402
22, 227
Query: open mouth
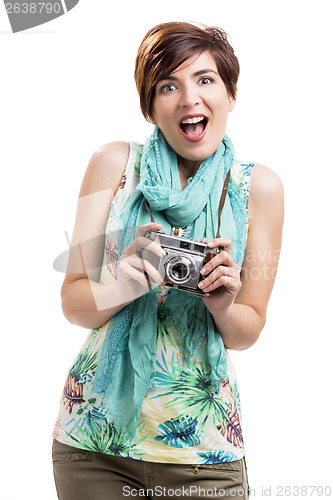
194, 127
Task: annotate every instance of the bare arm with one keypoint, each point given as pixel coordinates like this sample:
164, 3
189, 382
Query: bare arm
85, 301
82, 295
241, 320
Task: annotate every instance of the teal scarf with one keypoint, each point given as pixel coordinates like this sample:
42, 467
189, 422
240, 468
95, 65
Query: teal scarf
126, 368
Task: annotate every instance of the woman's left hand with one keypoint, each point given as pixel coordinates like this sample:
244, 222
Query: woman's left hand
221, 278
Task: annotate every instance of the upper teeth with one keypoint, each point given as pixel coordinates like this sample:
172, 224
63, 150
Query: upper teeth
195, 119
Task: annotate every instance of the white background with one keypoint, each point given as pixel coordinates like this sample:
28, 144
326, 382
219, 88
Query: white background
67, 88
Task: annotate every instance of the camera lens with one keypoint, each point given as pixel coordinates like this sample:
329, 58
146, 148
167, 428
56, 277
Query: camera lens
179, 271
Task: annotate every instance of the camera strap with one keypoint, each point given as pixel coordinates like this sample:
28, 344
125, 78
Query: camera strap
222, 200
147, 207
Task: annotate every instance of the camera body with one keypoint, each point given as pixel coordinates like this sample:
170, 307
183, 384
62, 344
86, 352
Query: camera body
184, 259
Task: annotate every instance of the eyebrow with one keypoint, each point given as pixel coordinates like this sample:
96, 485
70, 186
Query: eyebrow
197, 73
203, 71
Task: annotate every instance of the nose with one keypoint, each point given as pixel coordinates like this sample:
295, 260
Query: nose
189, 96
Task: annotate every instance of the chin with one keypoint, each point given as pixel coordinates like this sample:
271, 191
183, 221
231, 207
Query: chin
201, 153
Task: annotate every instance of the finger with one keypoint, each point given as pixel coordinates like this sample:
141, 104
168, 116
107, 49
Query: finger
229, 282
147, 227
225, 243
136, 275
223, 258
151, 272
137, 263
216, 274
142, 242
133, 279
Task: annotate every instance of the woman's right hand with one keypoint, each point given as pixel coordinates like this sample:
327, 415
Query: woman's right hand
131, 278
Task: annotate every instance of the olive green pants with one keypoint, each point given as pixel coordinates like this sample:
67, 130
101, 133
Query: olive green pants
87, 475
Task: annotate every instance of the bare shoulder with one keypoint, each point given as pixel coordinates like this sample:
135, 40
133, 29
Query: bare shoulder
105, 168
266, 190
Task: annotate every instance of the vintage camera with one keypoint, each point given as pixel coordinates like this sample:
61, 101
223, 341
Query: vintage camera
183, 260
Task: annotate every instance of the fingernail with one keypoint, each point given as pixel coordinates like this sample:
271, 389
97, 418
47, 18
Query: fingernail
203, 271
211, 243
200, 285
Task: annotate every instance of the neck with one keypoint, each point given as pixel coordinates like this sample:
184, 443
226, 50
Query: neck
187, 168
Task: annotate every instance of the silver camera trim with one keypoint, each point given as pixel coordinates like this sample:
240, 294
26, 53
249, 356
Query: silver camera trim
182, 248
188, 262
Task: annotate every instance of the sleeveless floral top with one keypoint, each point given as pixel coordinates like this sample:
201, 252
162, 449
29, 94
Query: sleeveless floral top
168, 429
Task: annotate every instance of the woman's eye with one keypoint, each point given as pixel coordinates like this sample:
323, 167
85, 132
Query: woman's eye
206, 80
168, 88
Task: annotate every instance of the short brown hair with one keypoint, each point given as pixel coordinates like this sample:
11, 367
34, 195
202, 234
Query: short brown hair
166, 46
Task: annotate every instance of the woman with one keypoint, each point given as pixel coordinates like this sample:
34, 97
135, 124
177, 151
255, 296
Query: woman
151, 404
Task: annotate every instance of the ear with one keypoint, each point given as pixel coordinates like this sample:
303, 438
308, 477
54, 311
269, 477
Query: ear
232, 103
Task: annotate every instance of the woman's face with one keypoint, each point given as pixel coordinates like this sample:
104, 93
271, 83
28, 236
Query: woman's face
191, 107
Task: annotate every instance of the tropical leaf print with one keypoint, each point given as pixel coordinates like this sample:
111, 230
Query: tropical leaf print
56, 428
86, 362
162, 293
77, 377
137, 149
73, 393
123, 181
232, 431
190, 389
99, 435
226, 392
241, 176
236, 397
217, 457
96, 336
111, 257
163, 325
179, 433
246, 169
152, 414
